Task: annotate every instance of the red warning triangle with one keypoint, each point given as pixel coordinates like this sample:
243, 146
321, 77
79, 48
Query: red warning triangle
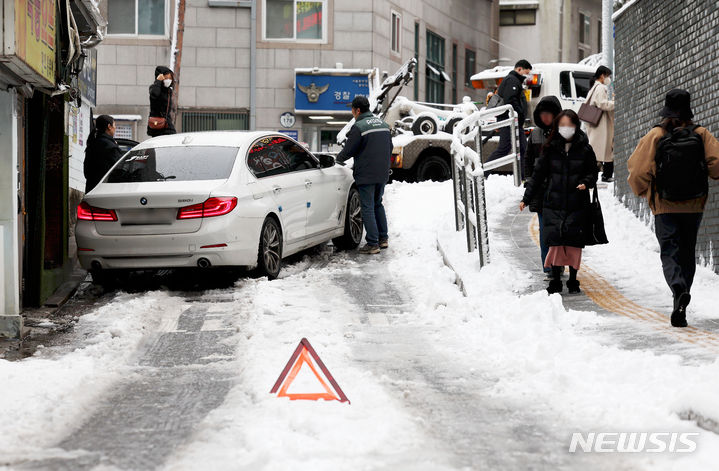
303, 355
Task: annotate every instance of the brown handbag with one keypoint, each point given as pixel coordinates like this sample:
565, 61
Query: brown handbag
589, 113
158, 123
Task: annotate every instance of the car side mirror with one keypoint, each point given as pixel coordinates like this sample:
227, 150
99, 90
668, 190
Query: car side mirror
326, 161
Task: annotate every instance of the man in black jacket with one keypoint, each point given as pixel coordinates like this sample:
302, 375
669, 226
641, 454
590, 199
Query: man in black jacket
370, 143
512, 92
161, 101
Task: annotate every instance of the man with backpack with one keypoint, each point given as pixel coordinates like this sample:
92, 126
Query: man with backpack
511, 92
670, 168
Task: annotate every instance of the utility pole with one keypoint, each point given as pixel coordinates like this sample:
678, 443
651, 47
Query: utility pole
176, 52
608, 33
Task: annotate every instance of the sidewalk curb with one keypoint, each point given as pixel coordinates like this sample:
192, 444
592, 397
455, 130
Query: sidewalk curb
457, 278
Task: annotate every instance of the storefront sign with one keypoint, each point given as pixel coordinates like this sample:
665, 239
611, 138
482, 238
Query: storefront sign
87, 80
316, 93
35, 36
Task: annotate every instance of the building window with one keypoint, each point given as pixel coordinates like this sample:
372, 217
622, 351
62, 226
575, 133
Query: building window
585, 29
436, 76
599, 36
416, 57
454, 73
137, 17
470, 66
396, 32
202, 121
295, 20
522, 17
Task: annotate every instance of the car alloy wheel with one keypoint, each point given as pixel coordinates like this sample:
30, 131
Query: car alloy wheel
355, 217
270, 249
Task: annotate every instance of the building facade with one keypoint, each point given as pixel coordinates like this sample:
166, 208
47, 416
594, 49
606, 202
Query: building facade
549, 30
239, 73
646, 39
40, 62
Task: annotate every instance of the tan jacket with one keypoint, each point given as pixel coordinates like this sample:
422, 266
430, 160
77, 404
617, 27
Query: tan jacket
601, 136
642, 171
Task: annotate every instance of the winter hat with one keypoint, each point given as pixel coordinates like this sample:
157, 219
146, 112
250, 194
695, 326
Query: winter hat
677, 104
548, 103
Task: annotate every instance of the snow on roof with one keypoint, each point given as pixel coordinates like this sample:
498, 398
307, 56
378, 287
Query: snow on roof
527, 3
126, 117
594, 60
501, 72
624, 8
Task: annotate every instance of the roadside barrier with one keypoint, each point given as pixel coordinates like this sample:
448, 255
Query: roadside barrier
470, 208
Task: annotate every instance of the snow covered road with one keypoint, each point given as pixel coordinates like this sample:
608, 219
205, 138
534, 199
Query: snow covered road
496, 380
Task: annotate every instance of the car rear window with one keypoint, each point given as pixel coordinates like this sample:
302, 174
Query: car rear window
186, 163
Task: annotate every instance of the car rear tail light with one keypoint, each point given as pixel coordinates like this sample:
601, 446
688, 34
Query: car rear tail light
209, 208
213, 246
86, 212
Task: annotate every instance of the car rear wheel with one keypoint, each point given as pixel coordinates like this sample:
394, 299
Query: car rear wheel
269, 256
353, 223
434, 168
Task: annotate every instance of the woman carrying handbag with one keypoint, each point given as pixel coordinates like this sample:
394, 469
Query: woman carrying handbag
601, 132
565, 171
159, 123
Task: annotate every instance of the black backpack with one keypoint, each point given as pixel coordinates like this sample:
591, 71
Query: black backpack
681, 166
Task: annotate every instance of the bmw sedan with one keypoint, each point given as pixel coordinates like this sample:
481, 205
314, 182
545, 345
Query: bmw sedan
215, 199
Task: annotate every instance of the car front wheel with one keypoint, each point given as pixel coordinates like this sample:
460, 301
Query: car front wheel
353, 223
269, 256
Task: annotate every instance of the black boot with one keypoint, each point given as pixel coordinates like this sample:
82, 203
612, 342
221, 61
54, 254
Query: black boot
679, 315
555, 286
572, 282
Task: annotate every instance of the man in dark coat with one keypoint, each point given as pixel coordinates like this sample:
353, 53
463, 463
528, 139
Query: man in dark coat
544, 113
370, 143
161, 101
101, 152
512, 92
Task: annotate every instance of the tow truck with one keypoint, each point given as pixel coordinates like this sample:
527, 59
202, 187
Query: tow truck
421, 132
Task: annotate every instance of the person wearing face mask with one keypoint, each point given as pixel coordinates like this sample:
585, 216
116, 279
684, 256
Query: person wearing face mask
160, 122
564, 173
601, 136
544, 113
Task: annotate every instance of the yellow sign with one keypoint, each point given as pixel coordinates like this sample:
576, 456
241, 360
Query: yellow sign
35, 35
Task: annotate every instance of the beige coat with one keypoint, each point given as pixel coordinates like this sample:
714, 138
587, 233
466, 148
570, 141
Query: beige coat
643, 170
601, 136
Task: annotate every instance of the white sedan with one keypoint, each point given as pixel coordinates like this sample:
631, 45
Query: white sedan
215, 199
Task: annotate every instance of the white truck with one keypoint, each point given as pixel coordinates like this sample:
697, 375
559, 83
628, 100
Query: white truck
568, 82
421, 132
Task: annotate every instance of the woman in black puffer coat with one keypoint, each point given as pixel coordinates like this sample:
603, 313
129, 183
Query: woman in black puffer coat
565, 171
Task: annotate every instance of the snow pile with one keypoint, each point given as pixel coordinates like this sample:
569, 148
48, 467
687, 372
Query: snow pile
51, 393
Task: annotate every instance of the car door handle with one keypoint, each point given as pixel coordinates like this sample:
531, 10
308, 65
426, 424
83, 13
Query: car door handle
308, 184
277, 190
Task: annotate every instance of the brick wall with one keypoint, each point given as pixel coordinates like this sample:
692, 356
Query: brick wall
660, 45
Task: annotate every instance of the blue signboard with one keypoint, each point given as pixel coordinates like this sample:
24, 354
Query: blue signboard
293, 133
328, 93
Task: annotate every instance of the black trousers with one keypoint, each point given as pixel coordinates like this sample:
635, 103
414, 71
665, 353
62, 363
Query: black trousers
504, 147
677, 236
607, 169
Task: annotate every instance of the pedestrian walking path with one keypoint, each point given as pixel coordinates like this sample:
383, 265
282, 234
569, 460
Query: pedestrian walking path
698, 342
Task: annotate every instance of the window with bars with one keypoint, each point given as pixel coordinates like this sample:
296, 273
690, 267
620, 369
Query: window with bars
436, 76
396, 41
195, 121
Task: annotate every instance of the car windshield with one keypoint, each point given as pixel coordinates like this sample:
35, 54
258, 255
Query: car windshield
186, 163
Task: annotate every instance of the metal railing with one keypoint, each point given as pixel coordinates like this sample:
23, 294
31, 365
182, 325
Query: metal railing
470, 209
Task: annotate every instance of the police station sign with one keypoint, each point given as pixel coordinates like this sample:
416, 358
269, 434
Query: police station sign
328, 93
